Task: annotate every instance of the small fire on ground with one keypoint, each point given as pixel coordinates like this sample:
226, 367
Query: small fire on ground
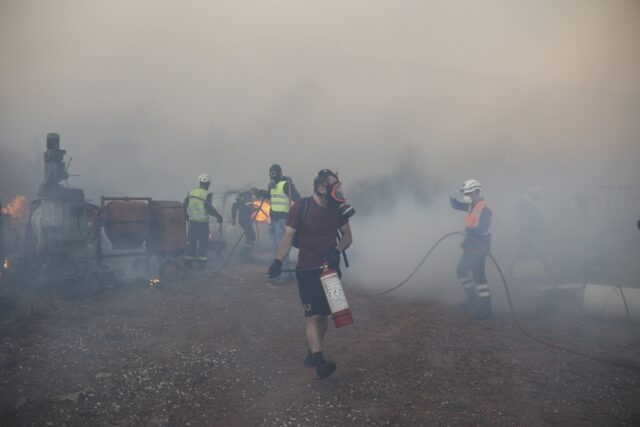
261, 212
154, 282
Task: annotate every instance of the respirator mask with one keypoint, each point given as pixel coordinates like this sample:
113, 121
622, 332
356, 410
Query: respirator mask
334, 197
275, 173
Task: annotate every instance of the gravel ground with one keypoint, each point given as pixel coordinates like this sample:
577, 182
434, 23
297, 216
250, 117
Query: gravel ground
228, 350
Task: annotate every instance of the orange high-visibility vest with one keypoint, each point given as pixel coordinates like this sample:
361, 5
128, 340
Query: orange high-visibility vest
473, 217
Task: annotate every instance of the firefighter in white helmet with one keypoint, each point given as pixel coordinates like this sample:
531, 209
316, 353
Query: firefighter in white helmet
476, 245
198, 205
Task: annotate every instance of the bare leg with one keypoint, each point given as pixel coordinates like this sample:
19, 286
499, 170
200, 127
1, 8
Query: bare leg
316, 329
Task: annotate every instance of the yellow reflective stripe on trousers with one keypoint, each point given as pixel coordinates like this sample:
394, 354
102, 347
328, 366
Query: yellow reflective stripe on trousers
483, 291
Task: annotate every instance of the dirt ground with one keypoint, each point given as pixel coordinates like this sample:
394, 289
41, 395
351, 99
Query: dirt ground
227, 350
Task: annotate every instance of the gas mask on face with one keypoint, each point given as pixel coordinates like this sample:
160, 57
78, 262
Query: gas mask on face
275, 173
334, 197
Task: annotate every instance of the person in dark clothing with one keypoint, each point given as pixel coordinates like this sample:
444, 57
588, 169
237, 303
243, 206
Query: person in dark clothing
281, 194
242, 208
316, 233
199, 207
476, 245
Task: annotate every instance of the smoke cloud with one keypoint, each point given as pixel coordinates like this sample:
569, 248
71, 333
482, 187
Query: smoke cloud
148, 94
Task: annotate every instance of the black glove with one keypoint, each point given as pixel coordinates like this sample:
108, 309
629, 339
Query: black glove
332, 259
219, 220
275, 269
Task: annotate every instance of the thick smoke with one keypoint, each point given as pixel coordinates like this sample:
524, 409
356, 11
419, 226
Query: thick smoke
149, 94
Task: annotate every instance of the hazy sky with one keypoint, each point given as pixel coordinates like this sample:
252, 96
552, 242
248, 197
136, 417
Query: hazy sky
148, 94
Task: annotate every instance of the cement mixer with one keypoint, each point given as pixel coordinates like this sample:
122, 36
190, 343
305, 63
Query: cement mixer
141, 228
65, 235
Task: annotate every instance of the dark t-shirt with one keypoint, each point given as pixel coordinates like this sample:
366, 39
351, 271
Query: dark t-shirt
318, 233
243, 207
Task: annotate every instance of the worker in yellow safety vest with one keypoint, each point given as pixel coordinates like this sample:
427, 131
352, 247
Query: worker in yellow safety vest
199, 207
476, 245
282, 194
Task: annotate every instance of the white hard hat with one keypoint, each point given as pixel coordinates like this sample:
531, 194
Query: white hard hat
203, 178
470, 186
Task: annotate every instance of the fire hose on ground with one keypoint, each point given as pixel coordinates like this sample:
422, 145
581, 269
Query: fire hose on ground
521, 328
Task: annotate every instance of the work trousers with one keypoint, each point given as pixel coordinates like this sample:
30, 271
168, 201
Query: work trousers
197, 241
471, 267
277, 229
249, 234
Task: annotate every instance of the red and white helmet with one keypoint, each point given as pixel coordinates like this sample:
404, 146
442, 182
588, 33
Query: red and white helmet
470, 186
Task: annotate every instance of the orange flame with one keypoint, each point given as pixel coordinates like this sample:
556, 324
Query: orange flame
262, 214
17, 208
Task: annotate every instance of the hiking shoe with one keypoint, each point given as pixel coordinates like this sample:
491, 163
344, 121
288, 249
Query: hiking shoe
309, 361
324, 369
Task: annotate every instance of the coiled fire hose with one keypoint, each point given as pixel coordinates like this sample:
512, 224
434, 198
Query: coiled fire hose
524, 331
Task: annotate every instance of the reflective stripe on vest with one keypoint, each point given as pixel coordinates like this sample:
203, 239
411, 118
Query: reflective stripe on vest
279, 199
473, 217
195, 208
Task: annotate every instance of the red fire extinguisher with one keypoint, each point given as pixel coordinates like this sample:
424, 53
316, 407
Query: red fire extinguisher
340, 311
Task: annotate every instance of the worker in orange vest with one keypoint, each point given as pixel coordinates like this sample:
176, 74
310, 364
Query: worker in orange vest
476, 245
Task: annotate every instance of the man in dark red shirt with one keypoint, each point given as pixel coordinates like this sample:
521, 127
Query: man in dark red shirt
318, 246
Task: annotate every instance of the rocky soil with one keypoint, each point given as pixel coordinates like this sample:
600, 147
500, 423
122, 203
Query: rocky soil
228, 350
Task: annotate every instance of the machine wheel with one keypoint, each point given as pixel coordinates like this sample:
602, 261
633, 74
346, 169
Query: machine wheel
169, 270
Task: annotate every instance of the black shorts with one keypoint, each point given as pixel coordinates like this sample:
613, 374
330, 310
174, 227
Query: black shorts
312, 296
